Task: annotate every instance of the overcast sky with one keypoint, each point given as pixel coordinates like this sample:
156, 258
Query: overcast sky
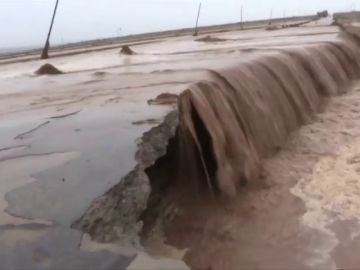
24, 23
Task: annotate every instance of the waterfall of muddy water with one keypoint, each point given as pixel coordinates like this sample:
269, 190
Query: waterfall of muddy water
225, 127
245, 112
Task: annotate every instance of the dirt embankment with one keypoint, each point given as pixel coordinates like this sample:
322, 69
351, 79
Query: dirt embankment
225, 128
126, 50
48, 69
116, 215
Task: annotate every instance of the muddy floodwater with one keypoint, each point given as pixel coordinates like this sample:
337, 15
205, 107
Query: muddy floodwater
68, 139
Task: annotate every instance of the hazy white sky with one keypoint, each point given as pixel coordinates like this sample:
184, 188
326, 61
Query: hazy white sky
25, 23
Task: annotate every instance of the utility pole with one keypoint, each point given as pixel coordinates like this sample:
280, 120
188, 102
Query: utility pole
271, 12
197, 21
45, 52
242, 21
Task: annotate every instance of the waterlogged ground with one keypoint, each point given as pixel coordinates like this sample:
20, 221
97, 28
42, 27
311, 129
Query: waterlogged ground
302, 214
67, 139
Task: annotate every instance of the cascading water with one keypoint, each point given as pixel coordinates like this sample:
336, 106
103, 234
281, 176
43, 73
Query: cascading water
225, 126
249, 110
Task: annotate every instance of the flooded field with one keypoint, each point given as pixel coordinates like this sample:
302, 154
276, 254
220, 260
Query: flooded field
69, 143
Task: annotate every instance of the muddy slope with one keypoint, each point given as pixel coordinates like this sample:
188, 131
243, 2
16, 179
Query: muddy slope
227, 126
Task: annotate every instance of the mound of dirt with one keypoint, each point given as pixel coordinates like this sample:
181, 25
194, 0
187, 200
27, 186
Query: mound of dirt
48, 69
127, 50
209, 38
164, 99
100, 73
272, 28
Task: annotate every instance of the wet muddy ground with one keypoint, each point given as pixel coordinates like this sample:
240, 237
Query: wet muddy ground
67, 139
302, 214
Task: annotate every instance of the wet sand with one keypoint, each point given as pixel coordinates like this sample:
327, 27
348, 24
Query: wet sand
67, 139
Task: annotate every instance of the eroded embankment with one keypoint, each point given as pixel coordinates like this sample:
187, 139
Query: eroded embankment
227, 125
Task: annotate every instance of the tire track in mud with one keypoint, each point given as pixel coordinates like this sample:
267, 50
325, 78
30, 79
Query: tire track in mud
12, 147
23, 135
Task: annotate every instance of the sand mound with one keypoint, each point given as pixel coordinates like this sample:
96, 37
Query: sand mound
210, 39
100, 73
164, 99
127, 50
273, 28
48, 69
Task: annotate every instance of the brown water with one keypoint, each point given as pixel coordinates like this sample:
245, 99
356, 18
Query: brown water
244, 112
74, 136
297, 210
